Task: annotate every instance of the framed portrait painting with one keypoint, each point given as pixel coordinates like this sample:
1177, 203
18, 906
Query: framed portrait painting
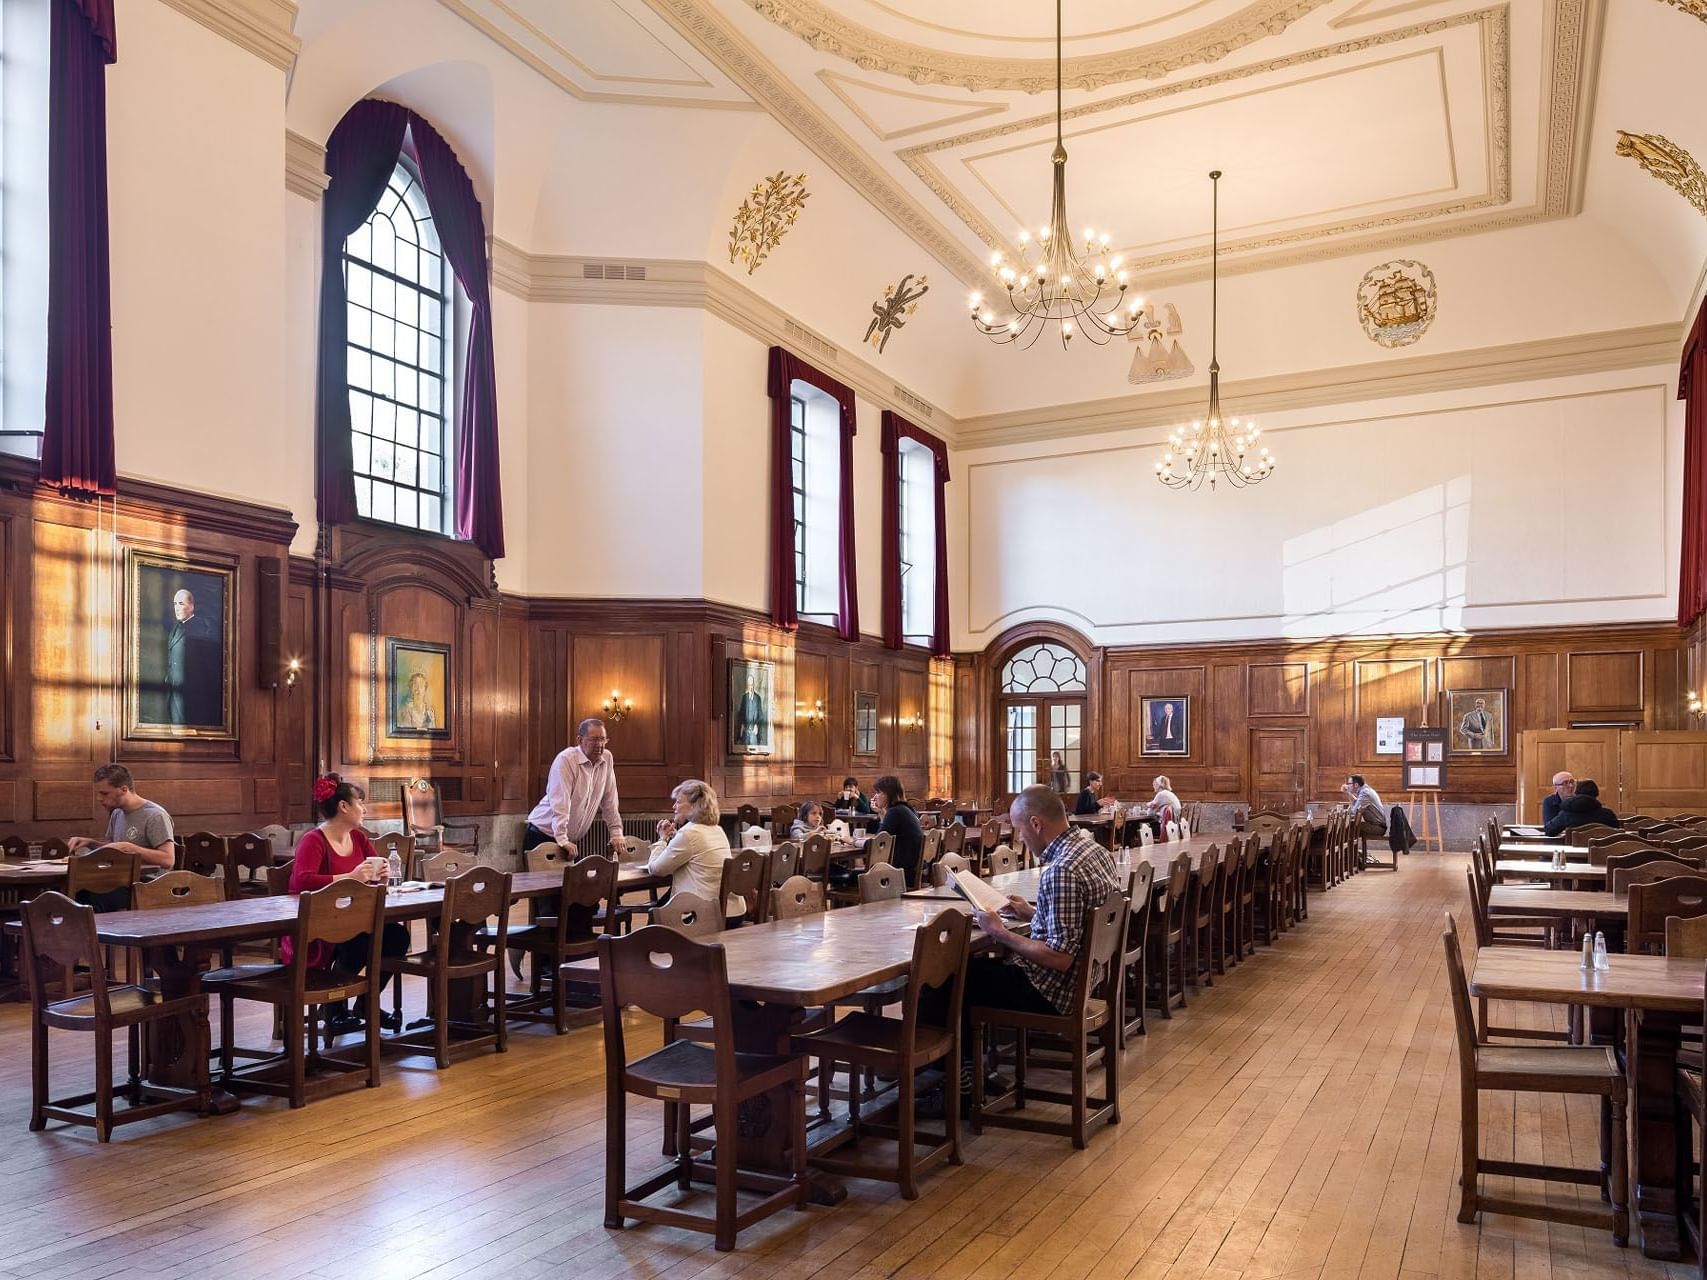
752, 688
1476, 721
180, 651
1167, 726
417, 689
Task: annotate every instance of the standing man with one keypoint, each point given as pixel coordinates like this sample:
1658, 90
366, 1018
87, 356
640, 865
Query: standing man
1564, 787
750, 716
1476, 726
192, 666
580, 787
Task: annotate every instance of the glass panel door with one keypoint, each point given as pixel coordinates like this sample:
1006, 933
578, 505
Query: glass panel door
1065, 746
1021, 750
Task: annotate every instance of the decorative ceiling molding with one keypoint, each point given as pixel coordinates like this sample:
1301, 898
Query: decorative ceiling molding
305, 166
826, 31
266, 28
531, 58
1355, 235
775, 92
1694, 8
681, 282
1640, 347
961, 112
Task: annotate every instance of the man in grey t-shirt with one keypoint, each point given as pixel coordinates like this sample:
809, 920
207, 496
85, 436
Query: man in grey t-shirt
134, 825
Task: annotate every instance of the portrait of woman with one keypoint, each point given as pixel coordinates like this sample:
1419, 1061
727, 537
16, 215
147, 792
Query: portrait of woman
415, 711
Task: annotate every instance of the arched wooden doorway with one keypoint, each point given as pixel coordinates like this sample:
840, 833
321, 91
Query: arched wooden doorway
1041, 692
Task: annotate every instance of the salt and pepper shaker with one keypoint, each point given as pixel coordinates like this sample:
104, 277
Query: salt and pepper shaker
1600, 951
1588, 952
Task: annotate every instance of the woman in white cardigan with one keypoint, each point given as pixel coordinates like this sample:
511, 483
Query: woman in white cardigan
692, 849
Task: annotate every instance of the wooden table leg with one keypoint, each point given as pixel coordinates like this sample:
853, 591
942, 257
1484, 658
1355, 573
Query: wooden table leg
1651, 1064
764, 1126
178, 1047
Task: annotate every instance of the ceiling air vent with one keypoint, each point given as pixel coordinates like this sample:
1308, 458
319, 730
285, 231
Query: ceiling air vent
612, 271
811, 341
912, 401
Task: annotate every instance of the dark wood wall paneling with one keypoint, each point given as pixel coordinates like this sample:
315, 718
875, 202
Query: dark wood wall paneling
1267, 717
62, 652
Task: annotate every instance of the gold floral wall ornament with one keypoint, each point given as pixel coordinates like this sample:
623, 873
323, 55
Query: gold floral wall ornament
1396, 302
765, 216
1668, 162
1695, 8
890, 312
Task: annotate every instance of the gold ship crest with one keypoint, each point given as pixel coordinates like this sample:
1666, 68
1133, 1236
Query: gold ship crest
1396, 302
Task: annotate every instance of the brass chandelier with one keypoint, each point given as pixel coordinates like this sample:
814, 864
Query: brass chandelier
1077, 292
1214, 448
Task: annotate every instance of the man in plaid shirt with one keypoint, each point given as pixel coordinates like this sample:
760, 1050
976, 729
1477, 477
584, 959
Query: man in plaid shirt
1036, 973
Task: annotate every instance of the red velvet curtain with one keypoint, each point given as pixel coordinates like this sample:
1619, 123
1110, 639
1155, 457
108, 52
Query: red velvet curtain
360, 155
77, 429
462, 233
896, 429
1692, 390
785, 369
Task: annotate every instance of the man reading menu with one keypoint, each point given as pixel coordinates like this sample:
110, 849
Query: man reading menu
1035, 974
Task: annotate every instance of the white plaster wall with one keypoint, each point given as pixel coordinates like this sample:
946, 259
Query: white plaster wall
1532, 504
199, 283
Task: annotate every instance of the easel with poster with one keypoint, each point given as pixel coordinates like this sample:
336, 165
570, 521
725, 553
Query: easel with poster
1424, 768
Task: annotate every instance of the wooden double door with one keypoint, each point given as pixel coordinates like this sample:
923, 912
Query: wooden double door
1280, 767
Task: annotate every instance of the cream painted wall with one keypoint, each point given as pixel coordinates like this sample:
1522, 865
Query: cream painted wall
199, 280
1531, 504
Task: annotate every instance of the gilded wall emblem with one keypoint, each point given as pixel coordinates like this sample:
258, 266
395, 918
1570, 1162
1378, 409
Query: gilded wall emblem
765, 216
890, 312
1159, 356
1396, 302
1668, 162
1695, 8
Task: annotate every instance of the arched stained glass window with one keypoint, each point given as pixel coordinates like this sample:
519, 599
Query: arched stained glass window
1044, 668
398, 287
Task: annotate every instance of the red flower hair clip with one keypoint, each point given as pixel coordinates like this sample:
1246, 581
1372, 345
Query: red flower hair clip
325, 788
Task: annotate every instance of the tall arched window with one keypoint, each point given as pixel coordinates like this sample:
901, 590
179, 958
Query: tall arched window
1042, 716
399, 292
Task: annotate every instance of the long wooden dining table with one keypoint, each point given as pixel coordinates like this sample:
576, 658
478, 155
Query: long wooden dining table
1658, 997
1566, 904
1567, 876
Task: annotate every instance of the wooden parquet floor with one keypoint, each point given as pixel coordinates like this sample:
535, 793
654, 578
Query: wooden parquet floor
1298, 1121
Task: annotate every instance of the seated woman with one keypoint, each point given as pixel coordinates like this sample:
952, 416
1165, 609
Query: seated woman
809, 822
338, 849
692, 849
1581, 809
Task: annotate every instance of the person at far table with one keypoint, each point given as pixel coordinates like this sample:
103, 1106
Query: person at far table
338, 849
134, 825
580, 787
852, 797
692, 847
1164, 799
808, 822
1035, 974
1366, 805
900, 820
1564, 787
1090, 799
1581, 809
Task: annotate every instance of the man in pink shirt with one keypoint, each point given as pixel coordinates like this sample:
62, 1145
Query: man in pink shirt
580, 787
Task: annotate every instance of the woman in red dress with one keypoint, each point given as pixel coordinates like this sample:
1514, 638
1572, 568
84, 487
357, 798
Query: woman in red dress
338, 849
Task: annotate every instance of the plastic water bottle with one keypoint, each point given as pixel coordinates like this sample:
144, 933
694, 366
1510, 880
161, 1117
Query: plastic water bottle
1600, 952
394, 870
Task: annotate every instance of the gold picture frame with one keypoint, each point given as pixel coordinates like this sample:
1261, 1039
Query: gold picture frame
180, 647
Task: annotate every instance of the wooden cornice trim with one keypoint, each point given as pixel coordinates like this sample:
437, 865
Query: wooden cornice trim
264, 27
1638, 347
684, 282
166, 503
305, 166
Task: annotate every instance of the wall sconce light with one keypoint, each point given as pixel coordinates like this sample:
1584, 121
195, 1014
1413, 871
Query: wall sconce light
293, 669
814, 714
912, 722
616, 707
1694, 707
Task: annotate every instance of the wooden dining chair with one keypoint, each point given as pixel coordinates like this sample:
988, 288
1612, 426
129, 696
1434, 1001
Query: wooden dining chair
441, 867
785, 863
205, 853
946, 866
990, 834
59, 937
566, 929
1092, 1012
815, 857
953, 837
1167, 943
1583, 835
341, 912
1620, 880
1690, 1101
747, 815
476, 899
1652, 904
1601, 850
102, 878
403, 846
1553, 1069
747, 876
1202, 917
248, 855
930, 850
1146, 835
689, 914
176, 889
782, 820
756, 838
1265, 821
1002, 861
1140, 889
795, 897
927, 1034
548, 856
668, 975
